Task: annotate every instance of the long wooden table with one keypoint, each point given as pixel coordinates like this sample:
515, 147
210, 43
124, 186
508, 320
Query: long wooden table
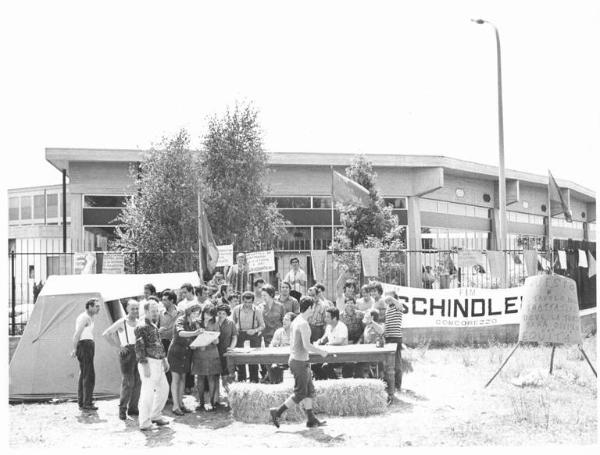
351, 353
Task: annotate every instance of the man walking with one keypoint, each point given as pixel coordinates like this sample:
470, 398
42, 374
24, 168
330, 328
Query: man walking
300, 347
83, 349
152, 366
130, 381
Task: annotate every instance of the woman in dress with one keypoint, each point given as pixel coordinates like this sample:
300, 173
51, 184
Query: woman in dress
206, 364
187, 327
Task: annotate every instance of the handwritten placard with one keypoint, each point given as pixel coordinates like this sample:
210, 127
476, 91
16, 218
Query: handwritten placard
550, 312
113, 263
225, 255
84, 263
261, 261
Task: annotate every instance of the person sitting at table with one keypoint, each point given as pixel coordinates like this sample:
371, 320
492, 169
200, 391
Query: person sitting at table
281, 337
206, 363
336, 334
372, 333
187, 328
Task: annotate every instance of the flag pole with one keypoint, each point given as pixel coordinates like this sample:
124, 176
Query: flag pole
549, 240
332, 205
200, 271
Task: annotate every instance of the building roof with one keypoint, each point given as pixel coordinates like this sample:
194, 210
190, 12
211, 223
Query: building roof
59, 158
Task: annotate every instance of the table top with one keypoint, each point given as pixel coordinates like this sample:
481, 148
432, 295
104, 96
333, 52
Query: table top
347, 349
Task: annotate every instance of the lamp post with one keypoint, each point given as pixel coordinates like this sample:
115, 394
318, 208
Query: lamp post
501, 177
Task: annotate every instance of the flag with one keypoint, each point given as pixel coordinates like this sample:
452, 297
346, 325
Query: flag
592, 267
583, 259
347, 191
530, 258
557, 202
370, 261
497, 261
562, 259
319, 263
209, 252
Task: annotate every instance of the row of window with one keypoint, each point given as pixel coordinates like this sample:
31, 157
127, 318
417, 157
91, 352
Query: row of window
433, 238
561, 222
452, 208
323, 202
518, 217
44, 207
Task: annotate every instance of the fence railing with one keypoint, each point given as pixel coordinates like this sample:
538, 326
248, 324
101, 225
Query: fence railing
437, 269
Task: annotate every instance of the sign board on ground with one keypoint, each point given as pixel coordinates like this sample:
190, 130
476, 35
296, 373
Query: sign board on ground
261, 261
550, 312
113, 263
225, 255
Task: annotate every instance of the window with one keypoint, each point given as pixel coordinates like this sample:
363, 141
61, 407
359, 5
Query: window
291, 202
25, 207
52, 205
39, 206
296, 238
321, 238
322, 203
456, 209
427, 205
96, 238
396, 202
13, 208
445, 239
104, 201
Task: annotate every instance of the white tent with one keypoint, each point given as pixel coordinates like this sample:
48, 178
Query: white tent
41, 367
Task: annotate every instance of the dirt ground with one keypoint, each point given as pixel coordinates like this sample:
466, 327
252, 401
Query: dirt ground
443, 403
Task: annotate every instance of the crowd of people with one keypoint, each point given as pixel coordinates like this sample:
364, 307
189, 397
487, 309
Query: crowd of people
159, 364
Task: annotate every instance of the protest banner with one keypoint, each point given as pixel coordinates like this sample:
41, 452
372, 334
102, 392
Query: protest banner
84, 263
113, 263
370, 261
550, 312
261, 261
225, 255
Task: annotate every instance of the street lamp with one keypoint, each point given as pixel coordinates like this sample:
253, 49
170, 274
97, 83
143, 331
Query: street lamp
501, 176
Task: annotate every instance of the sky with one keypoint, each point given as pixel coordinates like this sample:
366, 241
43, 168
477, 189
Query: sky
333, 77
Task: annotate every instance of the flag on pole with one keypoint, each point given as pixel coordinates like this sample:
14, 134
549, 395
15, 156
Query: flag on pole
209, 252
347, 191
562, 259
592, 265
531, 262
558, 204
583, 262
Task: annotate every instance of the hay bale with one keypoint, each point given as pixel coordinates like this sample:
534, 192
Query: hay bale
250, 402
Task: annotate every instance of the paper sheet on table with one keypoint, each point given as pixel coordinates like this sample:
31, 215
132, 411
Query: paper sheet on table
204, 339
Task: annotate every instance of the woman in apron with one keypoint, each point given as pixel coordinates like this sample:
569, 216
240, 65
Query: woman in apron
206, 364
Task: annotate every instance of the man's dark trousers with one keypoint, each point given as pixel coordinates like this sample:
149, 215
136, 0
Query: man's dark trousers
398, 368
87, 376
130, 382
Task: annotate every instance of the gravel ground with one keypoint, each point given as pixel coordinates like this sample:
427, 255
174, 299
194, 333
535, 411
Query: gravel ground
443, 403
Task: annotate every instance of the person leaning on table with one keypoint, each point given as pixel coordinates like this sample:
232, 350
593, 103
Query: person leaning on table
281, 337
393, 333
250, 323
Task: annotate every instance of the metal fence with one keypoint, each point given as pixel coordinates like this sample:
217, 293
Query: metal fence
29, 271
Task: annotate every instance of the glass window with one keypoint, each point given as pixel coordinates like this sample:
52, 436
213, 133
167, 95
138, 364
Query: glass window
442, 207
104, 201
322, 238
396, 202
456, 209
52, 205
482, 212
13, 208
96, 238
427, 205
25, 207
296, 238
39, 206
322, 203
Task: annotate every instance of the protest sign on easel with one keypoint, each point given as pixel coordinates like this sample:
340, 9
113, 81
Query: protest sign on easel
549, 314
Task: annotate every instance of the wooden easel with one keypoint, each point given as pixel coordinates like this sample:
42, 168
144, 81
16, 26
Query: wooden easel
551, 361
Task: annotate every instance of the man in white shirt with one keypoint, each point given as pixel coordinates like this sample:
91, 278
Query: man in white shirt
189, 297
336, 334
83, 349
125, 341
296, 276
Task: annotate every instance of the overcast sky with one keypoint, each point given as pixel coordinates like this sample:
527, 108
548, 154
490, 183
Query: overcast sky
369, 77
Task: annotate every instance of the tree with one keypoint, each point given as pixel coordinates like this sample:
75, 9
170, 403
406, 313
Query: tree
160, 218
233, 171
371, 227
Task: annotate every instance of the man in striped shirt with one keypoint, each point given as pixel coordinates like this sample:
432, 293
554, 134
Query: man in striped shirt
393, 332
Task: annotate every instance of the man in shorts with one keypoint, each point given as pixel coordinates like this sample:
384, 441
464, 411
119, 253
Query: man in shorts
300, 347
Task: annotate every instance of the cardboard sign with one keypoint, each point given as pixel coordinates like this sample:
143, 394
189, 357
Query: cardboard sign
261, 261
84, 263
113, 263
550, 312
225, 255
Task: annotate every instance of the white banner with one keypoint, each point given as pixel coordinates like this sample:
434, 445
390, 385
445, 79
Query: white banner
459, 307
261, 261
225, 255
370, 261
84, 263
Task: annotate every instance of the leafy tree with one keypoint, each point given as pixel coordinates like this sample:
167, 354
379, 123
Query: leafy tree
233, 171
374, 226
160, 218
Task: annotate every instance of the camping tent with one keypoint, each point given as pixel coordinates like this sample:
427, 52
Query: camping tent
42, 367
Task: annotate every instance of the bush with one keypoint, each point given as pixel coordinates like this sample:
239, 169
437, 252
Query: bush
250, 403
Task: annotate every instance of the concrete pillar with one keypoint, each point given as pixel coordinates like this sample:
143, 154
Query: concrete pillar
414, 242
76, 201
